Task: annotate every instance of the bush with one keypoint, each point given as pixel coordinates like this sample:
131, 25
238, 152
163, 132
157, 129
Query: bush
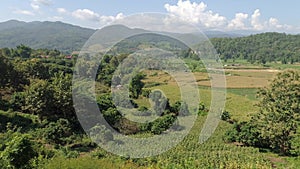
18, 152
146, 92
295, 144
112, 116
162, 123
17, 101
99, 153
202, 110
225, 116
56, 132
246, 133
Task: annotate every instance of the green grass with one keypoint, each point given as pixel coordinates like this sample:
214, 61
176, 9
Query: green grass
249, 93
284, 66
87, 162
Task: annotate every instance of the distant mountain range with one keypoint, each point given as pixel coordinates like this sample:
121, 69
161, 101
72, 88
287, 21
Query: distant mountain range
52, 35
58, 35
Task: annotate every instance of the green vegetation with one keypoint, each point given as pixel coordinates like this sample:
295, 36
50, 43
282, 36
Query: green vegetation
260, 48
44, 35
276, 126
39, 127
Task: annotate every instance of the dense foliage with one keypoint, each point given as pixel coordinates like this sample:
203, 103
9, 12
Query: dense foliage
277, 124
39, 127
260, 48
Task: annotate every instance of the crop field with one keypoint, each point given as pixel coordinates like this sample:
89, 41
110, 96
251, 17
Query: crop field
242, 86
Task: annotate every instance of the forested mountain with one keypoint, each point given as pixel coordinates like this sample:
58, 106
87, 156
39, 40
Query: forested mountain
50, 35
262, 48
265, 47
58, 35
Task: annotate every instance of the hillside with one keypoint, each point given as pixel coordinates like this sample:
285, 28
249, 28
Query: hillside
58, 35
261, 48
50, 35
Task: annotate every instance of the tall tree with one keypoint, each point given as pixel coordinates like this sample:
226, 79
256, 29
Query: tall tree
23, 51
39, 99
279, 114
9, 76
136, 85
276, 126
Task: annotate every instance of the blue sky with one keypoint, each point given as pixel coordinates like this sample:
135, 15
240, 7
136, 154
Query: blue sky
226, 15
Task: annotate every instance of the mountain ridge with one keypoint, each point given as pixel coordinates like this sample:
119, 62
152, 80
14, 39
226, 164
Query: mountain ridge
60, 35
43, 34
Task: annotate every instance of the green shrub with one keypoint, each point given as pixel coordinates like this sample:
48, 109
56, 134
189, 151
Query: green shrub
202, 110
57, 132
17, 101
225, 116
99, 153
162, 123
18, 152
146, 92
67, 153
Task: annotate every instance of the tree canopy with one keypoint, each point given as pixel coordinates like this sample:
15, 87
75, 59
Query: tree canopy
261, 48
276, 126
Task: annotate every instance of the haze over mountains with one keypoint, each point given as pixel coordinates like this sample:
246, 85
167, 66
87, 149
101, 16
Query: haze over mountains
56, 35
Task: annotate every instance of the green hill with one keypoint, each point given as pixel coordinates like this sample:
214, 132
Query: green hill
50, 35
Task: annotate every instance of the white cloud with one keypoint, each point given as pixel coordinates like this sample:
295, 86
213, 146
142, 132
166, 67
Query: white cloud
255, 20
35, 4
89, 15
86, 14
108, 19
199, 14
24, 12
196, 14
275, 25
238, 23
272, 24
61, 10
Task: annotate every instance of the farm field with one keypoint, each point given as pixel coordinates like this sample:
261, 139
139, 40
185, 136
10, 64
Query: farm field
242, 85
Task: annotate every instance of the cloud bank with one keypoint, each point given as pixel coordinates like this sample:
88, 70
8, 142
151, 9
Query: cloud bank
199, 14
193, 12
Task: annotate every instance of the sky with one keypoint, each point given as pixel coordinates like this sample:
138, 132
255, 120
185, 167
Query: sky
222, 15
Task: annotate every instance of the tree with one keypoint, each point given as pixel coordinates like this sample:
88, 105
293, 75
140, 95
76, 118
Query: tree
56, 132
6, 52
36, 69
18, 151
136, 85
276, 126
9, 76
162, 123
62, 95
279, 114
112, 116
23, 51
39, 99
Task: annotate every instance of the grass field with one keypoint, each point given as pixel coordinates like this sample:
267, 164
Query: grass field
241, 89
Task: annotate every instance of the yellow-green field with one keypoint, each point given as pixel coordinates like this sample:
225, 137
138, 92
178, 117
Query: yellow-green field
241, 84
